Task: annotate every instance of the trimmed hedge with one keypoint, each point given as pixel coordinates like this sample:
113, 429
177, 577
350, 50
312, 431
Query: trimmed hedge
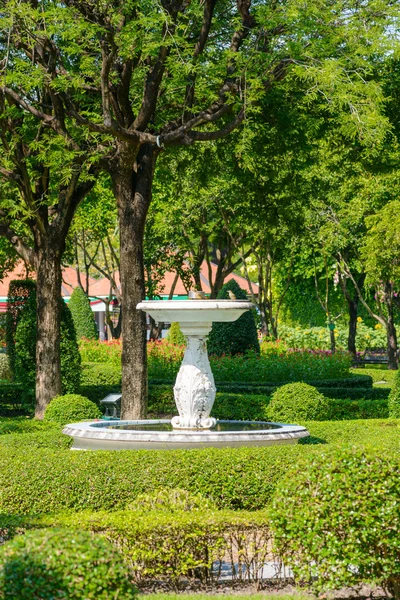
62, 564
46, 481
336, 520
96, 374
70, 409
297, 402
16, 397
394, 398
162, 545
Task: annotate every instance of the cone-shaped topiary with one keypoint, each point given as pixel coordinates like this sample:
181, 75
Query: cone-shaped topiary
295, 402
175, 335
71, 408
234, 338
82, 315
62, 564
25, 347
18, 293
394, 398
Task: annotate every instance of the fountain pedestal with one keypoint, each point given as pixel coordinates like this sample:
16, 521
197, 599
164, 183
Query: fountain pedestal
194, 389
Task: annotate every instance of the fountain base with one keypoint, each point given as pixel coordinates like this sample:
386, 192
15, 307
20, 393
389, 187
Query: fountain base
160, 435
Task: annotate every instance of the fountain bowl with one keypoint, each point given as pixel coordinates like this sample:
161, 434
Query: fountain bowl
158, 434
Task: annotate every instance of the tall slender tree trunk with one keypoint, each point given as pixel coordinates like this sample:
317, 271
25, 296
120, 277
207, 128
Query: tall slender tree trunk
133, 192
391, 337
352, 304
48, 362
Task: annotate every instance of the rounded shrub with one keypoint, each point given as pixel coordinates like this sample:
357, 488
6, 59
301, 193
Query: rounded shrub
336, 520
297, 402
64, 565
175, 335
82, 315
394, 398
70, 409
238, 337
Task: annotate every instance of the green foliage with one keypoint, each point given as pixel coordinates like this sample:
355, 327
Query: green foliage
100, 374
16, 397
82, 315
62, 564
164, 360
317, 338
336, 519
238, 337
95, 351
52, 439
5, 371
69, 350
297, 402
394, 398
171, 500
71, 408
25, 346
175, 335
164, 546
18, 293
46, 481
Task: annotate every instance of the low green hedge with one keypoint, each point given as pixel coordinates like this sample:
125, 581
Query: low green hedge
159, 545
100, 374
362, 404
16, 397
46, 481
336, 520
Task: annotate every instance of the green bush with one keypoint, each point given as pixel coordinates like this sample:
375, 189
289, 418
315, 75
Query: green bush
394, 398
336, 520
82, 315
339, 409
297, 402
70, 409
5, 371
164, 548
101, 374
238, 337
175, 335
25, 347
62, 564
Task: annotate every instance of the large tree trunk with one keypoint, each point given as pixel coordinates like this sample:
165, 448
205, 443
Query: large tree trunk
391, 334
133, 193
48, 363
353, 310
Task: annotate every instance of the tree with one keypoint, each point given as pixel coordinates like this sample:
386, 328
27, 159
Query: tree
150, 76
44, 174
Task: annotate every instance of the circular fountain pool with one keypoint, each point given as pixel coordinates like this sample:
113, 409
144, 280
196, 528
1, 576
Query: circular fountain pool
159, 434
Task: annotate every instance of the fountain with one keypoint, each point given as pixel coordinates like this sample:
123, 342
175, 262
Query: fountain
194, 393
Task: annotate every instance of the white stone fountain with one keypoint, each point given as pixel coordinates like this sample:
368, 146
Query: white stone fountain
194, 393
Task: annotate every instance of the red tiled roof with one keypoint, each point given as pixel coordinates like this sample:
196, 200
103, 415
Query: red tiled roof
101, 287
